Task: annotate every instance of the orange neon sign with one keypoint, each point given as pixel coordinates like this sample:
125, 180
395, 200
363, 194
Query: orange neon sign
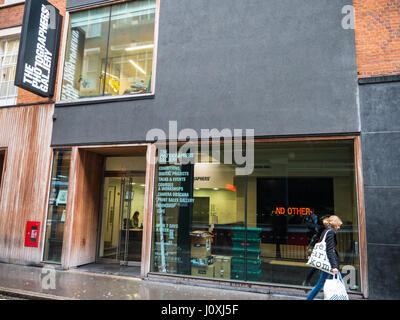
292, 211
230, 187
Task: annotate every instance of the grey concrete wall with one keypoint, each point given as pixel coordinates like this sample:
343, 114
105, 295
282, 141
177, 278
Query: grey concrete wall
282, 67
380, 114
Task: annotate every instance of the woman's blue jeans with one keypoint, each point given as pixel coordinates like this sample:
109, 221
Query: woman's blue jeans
319, 286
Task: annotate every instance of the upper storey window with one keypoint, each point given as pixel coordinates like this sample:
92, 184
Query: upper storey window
8, 63
110, 51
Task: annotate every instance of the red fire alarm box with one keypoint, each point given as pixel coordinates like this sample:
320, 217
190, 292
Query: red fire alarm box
32, 234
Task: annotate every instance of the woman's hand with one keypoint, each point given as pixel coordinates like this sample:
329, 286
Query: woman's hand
335, 271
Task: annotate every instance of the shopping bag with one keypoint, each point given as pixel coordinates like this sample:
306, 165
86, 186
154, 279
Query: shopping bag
334, 289
319, 258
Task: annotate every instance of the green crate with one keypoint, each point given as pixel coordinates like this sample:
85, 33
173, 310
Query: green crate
252, 244
251, 253
253, 265
250, 276
252, 233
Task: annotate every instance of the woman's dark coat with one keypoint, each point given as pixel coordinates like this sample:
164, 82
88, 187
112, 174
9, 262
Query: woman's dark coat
331, 244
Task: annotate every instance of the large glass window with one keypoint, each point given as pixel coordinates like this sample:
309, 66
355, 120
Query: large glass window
8, 62
110, 51
196, 207
57, 206
211, 222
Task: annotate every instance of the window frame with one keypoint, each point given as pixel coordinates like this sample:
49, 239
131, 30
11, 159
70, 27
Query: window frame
10, 3
100, 99
7, 35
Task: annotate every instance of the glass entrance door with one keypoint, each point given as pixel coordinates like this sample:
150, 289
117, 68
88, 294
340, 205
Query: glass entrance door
131, 229
122, 216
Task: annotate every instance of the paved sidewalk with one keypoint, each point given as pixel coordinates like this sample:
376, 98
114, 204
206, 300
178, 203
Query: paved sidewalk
37, 283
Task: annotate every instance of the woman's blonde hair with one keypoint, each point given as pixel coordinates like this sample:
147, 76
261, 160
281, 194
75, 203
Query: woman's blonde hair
334, 221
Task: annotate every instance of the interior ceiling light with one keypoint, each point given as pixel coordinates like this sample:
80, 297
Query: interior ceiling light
135, 48
92, 50
137, 66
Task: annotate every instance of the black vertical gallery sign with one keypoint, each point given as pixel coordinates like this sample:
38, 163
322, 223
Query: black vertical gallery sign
38, 49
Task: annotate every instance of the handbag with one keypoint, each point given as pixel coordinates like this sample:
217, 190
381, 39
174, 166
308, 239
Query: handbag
334, 289
319, 258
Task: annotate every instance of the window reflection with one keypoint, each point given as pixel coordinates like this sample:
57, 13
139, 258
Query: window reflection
86, 53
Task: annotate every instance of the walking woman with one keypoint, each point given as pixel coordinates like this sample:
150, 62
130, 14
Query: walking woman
334, 224
322, 225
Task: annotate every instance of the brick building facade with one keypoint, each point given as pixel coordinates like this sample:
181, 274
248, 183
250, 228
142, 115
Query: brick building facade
377, 37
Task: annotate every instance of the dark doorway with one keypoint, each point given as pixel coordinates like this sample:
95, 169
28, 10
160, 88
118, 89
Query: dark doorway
2, 155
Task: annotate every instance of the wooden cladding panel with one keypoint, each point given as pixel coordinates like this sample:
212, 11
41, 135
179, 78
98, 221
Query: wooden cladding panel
25, 133
80, 234
361, 218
